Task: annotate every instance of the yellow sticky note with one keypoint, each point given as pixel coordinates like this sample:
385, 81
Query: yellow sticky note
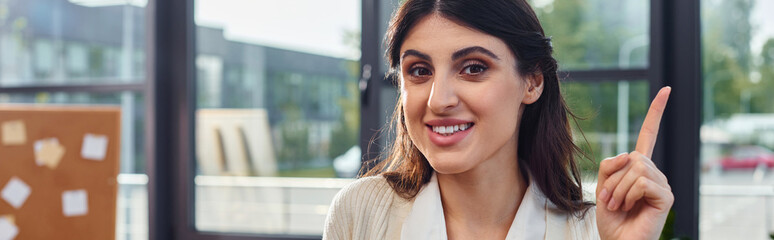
49, 152
9, 218
14, 133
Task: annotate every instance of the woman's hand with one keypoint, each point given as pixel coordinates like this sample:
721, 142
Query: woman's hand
633, 196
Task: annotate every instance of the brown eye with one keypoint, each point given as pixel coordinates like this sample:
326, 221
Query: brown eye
474, 69
420, 72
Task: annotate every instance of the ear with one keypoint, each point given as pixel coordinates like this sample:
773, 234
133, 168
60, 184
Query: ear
534, 88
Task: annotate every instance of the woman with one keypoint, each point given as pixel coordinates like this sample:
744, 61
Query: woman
483, 146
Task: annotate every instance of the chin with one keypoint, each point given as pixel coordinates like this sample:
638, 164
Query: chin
450, 163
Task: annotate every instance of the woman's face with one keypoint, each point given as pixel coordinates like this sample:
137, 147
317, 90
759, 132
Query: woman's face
462, 95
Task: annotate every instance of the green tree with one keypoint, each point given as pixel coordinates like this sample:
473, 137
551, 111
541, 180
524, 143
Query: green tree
726, 57
347, 133
762, 100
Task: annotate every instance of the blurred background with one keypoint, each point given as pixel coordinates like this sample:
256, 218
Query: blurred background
283, 99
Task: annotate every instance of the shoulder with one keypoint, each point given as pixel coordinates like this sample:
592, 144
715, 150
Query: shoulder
371, 191
362, 207
373, 185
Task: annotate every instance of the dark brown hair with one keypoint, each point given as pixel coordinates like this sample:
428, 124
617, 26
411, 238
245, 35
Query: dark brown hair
546, 148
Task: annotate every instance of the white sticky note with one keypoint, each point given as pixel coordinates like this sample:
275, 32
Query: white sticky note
39, 146
94, 147
75, 203
8, 230
14, 133
16, 192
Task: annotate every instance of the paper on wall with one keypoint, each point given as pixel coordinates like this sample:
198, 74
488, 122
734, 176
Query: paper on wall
48, 152
9, 218
8, 229
94, 147
14, 133
38, 146
75, 203
16, 192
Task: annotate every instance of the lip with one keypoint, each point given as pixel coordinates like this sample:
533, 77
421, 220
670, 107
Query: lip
446, 122
445, 141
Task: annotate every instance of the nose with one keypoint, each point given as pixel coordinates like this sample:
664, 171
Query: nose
443, 95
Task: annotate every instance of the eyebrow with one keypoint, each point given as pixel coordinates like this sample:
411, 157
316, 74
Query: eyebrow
412, 52
468, 50
456, 55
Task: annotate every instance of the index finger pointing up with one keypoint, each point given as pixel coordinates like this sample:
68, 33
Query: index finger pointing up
649, 131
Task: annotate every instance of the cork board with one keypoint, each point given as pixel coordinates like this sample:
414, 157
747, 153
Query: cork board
42, 214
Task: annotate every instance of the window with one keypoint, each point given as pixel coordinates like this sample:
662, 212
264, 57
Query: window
597, 34
84, 53
737, 130
611, 114
277, 113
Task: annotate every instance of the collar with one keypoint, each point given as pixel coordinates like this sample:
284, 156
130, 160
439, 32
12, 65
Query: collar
426, 219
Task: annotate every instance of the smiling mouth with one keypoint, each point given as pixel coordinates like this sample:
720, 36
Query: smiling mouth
450, 130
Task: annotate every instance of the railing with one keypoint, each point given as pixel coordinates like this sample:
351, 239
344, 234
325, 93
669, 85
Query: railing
299, 206
735, 211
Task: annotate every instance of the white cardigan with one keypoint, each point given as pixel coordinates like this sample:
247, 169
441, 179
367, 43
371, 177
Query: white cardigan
370, 209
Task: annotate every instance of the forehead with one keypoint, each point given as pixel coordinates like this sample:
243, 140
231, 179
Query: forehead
436, 35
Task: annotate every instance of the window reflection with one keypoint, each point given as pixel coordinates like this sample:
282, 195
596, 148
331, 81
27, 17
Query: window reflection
594, 34
611, 114
47, 42
278, 113
737, 132
84, 42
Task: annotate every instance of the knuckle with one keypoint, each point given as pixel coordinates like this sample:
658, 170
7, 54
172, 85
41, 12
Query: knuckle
640, 169
645, 159
641, 182
663, 178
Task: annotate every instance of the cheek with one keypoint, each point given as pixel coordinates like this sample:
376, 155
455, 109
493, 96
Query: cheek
414, 102
498, 106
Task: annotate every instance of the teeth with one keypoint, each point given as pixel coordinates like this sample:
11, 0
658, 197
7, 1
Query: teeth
445, 130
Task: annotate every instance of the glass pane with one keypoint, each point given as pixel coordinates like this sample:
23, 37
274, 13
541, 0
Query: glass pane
594, 34
737, 131
611, 116
132, 212
277, 110
54, 42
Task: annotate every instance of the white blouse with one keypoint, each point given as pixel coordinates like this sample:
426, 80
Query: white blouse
426, 220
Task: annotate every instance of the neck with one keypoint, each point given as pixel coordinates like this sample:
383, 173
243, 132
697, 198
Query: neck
485, 198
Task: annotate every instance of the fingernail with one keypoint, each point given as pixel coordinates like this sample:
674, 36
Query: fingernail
603, 195
611, 204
